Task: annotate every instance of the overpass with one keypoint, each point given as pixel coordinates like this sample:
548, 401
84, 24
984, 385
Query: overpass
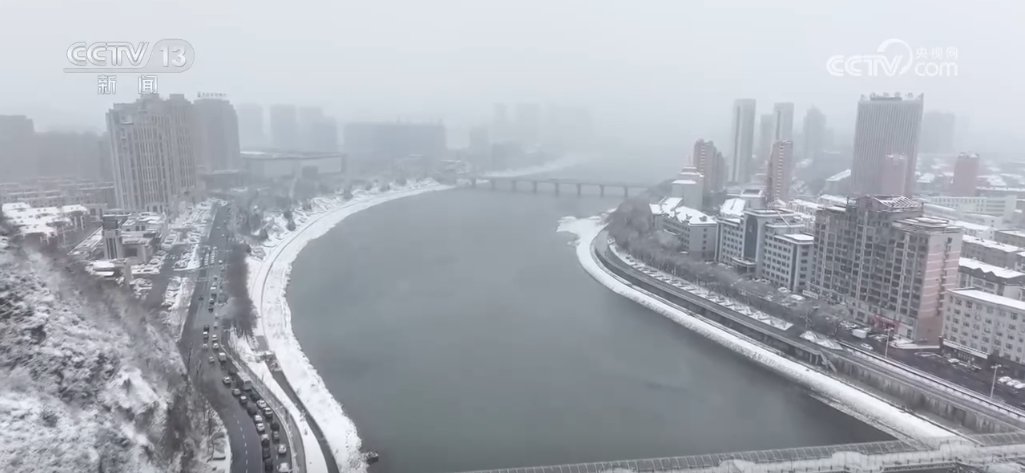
513, 184
955, 454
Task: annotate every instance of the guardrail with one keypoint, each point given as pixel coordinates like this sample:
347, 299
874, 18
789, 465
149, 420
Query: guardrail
940, 383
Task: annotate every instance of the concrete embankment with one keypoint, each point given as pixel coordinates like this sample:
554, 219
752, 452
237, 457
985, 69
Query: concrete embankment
919, 392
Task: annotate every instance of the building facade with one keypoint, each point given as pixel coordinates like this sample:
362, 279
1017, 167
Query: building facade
710, 163
974, 274
252, 133
154, 146
781, 166
743, 240
17, 147
880, 257
783, 122
766, 131
938, 129
886, 125
742, 134
695, 231
219, 148
786, 260
984, 327
814, 130
966, 175
893, 174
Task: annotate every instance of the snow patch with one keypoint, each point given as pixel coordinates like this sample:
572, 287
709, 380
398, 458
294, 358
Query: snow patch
862, 405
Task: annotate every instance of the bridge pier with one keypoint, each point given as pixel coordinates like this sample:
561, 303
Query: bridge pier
535, 186
601, 191
579, 189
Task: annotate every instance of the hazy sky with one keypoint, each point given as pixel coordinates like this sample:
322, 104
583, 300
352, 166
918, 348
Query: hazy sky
660, 70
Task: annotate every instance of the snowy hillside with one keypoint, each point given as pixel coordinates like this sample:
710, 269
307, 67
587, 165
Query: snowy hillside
88, 382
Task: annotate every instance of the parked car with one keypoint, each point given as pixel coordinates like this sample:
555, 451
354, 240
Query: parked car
266, 452
258, 419
251, 409
276, 436
260, 428
226, 380
282, 449
236, 392
261, 403
865, 346
274, 425
243, 399
211, 360
264, 440
268, 413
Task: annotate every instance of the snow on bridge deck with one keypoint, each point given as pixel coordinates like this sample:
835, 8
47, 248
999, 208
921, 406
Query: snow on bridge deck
893, 456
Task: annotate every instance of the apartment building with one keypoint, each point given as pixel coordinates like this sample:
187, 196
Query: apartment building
991, 252
1002, 206
695, 231
888, 263
786, 260
58, 192
154, 145
974, 274
983, 326
743, 241
1010, 237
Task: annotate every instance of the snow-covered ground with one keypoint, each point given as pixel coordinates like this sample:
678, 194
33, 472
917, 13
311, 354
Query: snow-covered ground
269, 273
847, 398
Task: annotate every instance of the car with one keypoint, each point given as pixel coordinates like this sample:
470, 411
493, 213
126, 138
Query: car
205, 346
200, 297
226, 380
206, 328
274, 425
251, 409
236, 392
865, 346
282, 449
217, 346
258, 419
266, 452
267, 412
211, 359
243, 399
260, 428
205, 336
264, 440
261, 403
276, 436
268, 466
255, 395
213, 337
211, 309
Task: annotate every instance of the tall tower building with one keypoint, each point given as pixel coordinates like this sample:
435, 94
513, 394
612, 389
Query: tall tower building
887, 263
284, 128
153, 145
708, 161
814, 133
966, 175
783, 122
938, 132
219, 148
780, 168
252, 133
766, 130
742, 133
886, 125
893, 174
17, 148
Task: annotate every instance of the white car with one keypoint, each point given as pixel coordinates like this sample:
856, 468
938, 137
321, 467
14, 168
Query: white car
260, 428
282, 449
258, 419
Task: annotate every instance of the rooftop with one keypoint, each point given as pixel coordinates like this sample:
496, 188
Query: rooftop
991, 244
990, 298
684, 182
839, 176
997, 271
733, 207
670, 206
798, 238
1017, 233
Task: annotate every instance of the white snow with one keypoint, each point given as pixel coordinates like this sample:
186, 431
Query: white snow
551, 166
850, 399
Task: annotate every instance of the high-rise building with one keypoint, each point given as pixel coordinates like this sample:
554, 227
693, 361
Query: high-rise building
218, 135
780, 169
153, 144
893, 174
528, 123
318, 133
709, 162
938, 131
500, 125
766, 130
742, 131
880, 257
17, 148
886, 125
966, 175
783, 122
814, 133
251, 131
284, 128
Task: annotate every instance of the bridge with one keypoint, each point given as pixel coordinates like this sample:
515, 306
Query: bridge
513, 184
955, 454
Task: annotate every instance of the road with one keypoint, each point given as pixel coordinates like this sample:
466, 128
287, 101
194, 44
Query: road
244, 440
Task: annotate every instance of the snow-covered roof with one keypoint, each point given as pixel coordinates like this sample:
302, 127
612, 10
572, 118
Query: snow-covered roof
671, 206
991, 244
799, 238
968, 263
839, 176
684, 182
36, 220
990, 298
733, 207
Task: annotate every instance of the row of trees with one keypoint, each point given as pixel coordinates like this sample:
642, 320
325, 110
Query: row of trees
632, 226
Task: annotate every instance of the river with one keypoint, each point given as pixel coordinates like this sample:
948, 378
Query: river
460, 333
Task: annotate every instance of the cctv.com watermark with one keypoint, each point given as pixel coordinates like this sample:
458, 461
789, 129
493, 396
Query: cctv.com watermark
895, 58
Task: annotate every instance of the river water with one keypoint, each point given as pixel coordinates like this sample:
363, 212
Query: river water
460, 333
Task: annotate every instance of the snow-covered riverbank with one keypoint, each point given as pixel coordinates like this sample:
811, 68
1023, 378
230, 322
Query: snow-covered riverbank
848, 399
268, 280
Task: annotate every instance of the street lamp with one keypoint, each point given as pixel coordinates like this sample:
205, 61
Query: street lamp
886, 346
993, 386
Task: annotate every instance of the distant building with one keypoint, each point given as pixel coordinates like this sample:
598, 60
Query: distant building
276, 165
689, 186
780, 171
991, 252
528, 123
384, 144
766, 130
70, 155
886, 125
251, 130
783, 122
966, 175
17, 147
983, 327
814, 133
218, 133
318, 133
46, 224
710, 163
885, 261
742, 130
60, 192
742, 241
284, 128
938, 130
838, 184
1003, 206
501, 126
695, 231
154, 147
974, 274
893, 174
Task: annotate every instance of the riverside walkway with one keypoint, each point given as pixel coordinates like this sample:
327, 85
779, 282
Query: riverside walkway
961, 454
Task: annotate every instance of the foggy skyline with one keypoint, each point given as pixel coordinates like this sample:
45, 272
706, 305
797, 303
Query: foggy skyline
654, 72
